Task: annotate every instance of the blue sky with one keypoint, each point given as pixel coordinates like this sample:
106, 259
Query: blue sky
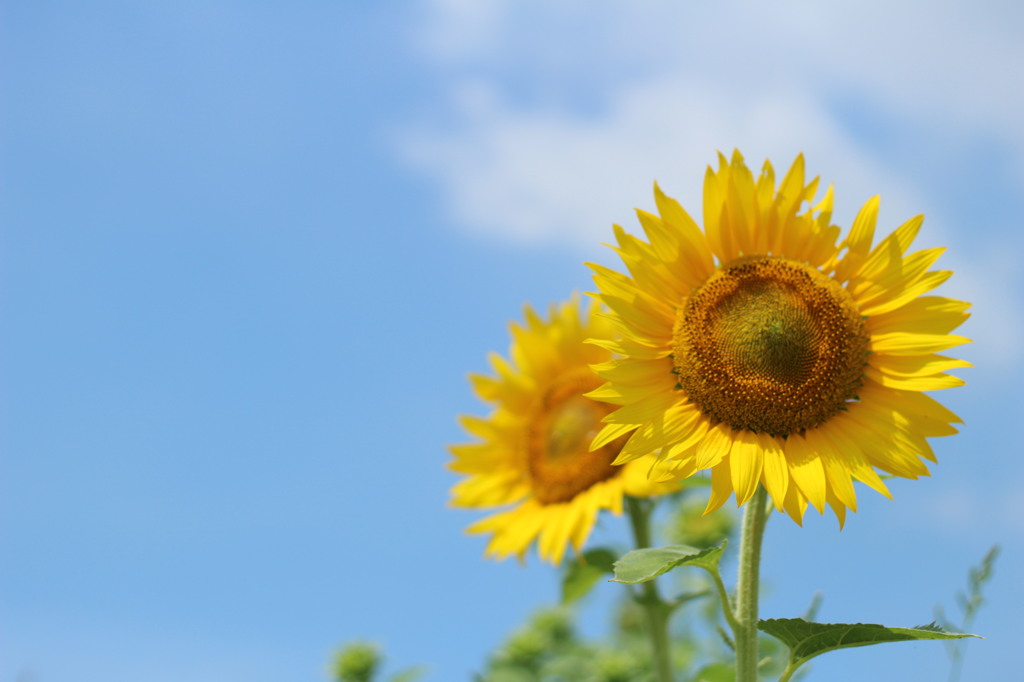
250, 251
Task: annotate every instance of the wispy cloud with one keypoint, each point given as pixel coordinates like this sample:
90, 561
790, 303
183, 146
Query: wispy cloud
547, 175
558, 117
562, 115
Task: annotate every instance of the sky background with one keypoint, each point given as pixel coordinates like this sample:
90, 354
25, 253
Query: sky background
249, 252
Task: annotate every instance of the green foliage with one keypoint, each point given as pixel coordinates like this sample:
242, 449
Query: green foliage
807, 640
357, 662
969, 602
549, 633
361, 662
642, 565
548, 649
581, 576
716, 672
691, 526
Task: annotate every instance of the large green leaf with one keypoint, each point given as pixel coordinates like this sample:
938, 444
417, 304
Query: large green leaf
642, 565
807, 640
582, 575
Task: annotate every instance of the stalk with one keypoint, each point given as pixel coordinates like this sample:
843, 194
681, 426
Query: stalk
745, 632
655, 608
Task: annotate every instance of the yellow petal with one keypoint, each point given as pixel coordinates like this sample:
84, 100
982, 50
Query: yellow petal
715, 223
806, 469
721, 486
922, 285
696, 254
888, 255
898, 343
923, 315
795, 504
838, 507
776, 473
851, 450
791, 190
676, 426
929, 416
610, 432
746, 460
858, 243
714, 446
837, 469
915, 366
929, 383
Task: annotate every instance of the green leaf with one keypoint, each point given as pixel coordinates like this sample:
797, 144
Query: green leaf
716, 672
642, 565
582, 575
807, 640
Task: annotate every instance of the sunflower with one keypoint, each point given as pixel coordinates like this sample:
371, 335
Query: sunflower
534, 451
764, 351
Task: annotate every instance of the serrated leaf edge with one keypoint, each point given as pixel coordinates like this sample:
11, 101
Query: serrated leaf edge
932, 631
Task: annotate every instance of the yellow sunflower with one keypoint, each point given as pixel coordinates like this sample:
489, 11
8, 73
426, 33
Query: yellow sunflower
534, 451
764, 351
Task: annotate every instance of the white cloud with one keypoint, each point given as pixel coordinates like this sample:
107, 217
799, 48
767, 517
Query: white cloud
560, 116
548, 175
457, 28
669, 84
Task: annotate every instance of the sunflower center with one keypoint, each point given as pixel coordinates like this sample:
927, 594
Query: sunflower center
770, 345
562, 425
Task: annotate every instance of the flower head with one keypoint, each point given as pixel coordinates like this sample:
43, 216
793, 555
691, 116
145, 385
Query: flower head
534, 449
761, 349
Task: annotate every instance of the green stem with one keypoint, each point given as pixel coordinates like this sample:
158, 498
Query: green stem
787, 674
723, 596
656, 609
754, 518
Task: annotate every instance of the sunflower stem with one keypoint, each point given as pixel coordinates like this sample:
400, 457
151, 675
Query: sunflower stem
745, 632
656, 609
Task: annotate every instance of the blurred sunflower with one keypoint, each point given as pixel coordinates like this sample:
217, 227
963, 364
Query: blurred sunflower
534, 451
765, 352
